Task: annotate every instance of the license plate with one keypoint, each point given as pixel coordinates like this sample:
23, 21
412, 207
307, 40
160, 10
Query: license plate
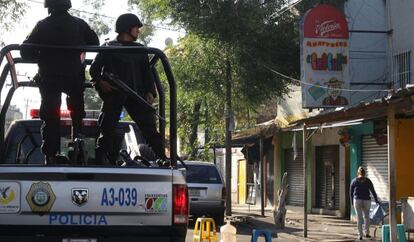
194, 193
79, 240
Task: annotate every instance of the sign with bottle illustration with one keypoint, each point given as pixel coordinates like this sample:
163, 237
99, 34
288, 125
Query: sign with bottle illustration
324, 58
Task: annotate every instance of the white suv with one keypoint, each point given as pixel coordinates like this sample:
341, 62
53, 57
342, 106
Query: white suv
206, 191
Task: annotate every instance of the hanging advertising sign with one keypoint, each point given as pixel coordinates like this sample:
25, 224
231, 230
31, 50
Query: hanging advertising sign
324, 58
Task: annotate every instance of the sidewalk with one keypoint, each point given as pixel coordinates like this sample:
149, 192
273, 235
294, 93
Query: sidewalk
320, 227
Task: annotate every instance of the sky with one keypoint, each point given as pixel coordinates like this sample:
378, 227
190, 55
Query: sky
29, 98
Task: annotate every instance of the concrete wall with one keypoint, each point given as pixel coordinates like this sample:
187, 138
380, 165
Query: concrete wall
355, 149
403, 30
367, 51
404, 158
221, 164
330, 137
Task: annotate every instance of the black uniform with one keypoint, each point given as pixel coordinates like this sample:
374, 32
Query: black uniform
60, 71
132, 69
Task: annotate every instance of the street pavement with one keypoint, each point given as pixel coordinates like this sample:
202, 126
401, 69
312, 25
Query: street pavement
320, 227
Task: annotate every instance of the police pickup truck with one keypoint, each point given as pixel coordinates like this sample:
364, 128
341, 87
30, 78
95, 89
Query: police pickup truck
85, 202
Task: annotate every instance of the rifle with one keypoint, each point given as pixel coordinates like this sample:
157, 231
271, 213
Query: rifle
124, 88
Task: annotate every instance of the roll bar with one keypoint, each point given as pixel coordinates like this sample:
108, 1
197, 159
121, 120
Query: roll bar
156, 55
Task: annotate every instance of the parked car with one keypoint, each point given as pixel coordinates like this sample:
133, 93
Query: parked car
206, 191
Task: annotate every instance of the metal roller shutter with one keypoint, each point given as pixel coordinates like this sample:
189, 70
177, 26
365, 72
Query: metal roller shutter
375, 161
327, 177
294, 169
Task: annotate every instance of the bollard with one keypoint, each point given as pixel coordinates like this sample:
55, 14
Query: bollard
400, 233
205, 229
256, 233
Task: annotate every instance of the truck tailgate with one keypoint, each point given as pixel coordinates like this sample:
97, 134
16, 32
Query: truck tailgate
85, 196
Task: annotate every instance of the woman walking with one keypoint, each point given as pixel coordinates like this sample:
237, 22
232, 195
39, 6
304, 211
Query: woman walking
359, 192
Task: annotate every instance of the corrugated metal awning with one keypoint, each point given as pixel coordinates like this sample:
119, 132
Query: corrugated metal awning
403, 100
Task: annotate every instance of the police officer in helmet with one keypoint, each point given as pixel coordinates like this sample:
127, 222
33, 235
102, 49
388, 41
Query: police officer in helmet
55, 4
134, 70
60, 71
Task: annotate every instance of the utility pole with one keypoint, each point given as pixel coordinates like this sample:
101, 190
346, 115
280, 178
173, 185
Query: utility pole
28, 100
215, 138
229, 113
305, 192
262, 178
392, 173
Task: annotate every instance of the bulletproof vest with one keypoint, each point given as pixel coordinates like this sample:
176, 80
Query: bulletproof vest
129, 67
63, 30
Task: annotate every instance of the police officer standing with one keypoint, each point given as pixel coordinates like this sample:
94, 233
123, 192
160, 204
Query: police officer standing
134, 70
60, 70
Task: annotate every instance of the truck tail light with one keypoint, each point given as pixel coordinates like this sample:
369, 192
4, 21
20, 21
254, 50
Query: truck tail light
180, 198
34, 113
223, 193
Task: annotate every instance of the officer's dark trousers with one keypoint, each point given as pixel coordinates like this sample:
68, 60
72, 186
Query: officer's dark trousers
109, 118
50, 112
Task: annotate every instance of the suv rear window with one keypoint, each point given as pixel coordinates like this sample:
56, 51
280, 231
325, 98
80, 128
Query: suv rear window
202, 174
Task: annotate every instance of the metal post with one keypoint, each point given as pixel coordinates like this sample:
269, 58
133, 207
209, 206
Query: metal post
392, 173
214, 147
262, 179
305, 193
228, 140
214, 153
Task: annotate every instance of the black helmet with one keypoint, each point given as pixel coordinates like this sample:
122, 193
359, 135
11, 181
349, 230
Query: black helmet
126, 22
62, 4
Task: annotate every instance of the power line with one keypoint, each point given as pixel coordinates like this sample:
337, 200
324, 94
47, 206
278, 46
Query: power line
112, 18
307, 83
324, 87
283, 10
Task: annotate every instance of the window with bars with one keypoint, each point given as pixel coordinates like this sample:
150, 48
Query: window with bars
402, 69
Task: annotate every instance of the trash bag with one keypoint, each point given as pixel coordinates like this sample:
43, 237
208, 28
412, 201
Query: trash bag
376, 214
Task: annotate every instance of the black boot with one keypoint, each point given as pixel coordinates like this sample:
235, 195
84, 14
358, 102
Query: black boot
101, 157
57, 160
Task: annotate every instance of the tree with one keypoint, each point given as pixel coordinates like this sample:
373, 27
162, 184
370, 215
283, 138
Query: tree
226, 37
252, 37
11, 12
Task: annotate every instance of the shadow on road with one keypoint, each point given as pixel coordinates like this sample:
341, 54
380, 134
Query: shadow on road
246, 225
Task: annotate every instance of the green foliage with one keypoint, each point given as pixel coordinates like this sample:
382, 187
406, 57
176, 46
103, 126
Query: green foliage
250, 36
98, 22
11, 12
92, 100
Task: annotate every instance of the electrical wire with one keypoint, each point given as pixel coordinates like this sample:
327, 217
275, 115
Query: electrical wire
282, 11
307, 83
319, 86
113, 18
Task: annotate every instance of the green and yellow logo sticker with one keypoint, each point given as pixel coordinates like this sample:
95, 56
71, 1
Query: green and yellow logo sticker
9, 197
156, 203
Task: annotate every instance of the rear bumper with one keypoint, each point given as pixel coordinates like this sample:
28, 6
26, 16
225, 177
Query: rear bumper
101, 233
205, 209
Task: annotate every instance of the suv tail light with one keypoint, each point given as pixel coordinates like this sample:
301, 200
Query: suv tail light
180, 204
223, 193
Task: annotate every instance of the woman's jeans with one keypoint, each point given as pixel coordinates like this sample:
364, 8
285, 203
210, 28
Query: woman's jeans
362, 211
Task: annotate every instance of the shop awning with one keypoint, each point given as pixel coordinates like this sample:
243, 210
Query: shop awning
404, 106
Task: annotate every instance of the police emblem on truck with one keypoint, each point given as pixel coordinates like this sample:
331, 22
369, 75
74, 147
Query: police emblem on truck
80, 196
41, 197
